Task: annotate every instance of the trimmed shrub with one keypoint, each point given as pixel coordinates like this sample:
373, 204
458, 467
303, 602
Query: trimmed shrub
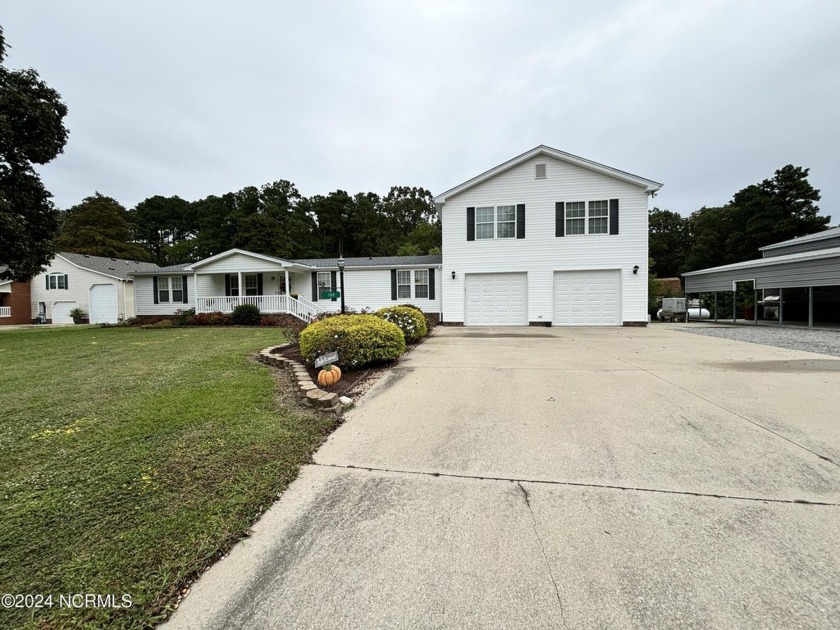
246, 315
216, 318
360, 340
410, 319
182, 317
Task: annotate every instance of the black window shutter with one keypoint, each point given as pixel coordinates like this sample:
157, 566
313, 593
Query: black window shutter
67, 284
333, 282
227, 285
184, 287
559, 219
470, 224
314, 286
613, 216
432, 283
520, 220
259, 284
47, 278
393, 284
154, 288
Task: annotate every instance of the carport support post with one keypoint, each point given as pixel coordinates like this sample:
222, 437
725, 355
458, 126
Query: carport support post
734, 307
810, 307
755, 306
781, 302
715, 306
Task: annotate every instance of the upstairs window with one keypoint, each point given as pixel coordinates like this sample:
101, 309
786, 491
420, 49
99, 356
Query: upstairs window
575, 217
57, 281
484, 222
506, 222
598, 217
587, 217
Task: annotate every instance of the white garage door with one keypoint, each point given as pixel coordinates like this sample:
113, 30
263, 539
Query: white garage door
496, 299
587, 298
61, 312
103, 304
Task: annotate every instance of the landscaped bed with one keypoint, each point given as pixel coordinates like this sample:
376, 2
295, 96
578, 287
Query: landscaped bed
131, 457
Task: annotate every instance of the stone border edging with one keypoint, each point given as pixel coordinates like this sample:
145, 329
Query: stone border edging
305, 388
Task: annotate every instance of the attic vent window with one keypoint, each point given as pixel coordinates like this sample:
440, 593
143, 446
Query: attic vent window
539, 171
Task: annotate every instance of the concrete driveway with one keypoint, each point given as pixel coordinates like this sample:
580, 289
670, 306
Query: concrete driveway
559, 478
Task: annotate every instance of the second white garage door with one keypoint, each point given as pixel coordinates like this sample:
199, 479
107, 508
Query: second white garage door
587, 298
496, 299
61, 312
103, 304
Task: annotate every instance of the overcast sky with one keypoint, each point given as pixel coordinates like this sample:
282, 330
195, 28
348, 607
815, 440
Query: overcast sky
199, 97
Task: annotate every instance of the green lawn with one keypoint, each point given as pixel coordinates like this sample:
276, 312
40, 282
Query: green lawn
130, 457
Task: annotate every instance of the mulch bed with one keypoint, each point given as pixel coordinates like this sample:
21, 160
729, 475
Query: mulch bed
353, 383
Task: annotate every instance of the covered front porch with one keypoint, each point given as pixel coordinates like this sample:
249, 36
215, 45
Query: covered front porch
273, 285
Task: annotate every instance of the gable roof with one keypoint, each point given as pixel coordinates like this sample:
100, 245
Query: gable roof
235, 250
373, 261
817, 236
113, 267
648, 184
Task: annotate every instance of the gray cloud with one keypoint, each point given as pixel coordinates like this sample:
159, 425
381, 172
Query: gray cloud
197, 97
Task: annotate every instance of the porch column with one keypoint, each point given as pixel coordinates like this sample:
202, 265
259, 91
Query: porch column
286, 272
781, 302
241, 290
195, 290
810, 307
755, 305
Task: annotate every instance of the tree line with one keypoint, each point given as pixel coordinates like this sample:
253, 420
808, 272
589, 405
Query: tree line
273, 219
777, 209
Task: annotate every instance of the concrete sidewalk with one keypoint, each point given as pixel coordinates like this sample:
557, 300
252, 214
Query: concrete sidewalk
544, 478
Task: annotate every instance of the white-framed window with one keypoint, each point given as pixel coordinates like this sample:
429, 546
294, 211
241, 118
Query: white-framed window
403, 284
575, 217
421, 283
599, 216
176, 284
485, 222
587, 217
324, 282
251, 284
505, 221
163, 290
234, 285
495, 222
57, 280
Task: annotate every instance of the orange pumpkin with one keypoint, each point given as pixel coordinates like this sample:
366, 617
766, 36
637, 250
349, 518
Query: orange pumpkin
329, 375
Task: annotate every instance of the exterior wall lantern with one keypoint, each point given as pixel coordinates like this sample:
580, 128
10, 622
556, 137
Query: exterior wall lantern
453, 275
635, 269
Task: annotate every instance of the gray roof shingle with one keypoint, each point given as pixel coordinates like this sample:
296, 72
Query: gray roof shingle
373, 261
116, 267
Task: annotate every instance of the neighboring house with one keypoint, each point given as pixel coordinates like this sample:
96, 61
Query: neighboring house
797, 281
100, 286
297, 287
14, 302
546, 238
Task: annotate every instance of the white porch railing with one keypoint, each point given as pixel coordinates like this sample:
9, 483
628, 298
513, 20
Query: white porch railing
5, 311
302, 309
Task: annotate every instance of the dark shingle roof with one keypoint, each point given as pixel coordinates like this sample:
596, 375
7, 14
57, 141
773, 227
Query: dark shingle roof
110, 266
156, 270
372, 261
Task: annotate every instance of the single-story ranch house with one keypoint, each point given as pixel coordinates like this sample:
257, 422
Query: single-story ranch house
796, 281
545, 238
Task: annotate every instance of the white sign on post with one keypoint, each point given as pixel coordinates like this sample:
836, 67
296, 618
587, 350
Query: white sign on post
330, 357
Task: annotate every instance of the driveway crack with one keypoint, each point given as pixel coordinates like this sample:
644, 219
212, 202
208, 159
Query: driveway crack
542, 550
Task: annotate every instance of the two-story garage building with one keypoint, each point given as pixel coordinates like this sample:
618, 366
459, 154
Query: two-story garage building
546, 238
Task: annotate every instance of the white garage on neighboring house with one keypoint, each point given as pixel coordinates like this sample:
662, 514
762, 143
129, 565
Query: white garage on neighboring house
98, 285
546, 238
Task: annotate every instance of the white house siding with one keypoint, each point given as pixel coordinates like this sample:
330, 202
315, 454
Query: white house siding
540, 253
145, 299
368, 288
79, 282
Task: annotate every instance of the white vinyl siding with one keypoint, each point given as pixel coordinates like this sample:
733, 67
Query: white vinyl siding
541, 253
144, 295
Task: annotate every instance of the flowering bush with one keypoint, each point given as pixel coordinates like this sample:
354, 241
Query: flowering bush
411, 321
360, 340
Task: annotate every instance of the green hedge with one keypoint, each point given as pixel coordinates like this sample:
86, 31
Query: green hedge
360, 340
410, 319
246, 315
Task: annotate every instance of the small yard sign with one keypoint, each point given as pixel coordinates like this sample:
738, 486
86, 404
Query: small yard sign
330, 357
